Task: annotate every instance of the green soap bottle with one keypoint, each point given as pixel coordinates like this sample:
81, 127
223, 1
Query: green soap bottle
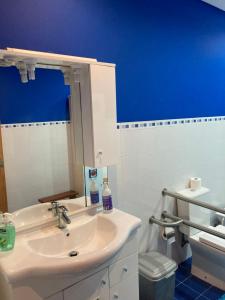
7, 232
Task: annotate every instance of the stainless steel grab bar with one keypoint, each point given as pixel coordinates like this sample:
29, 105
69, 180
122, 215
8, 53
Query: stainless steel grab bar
165, 192
179, 221
164, 223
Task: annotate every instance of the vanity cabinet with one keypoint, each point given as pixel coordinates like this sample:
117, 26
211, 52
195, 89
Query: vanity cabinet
58, 296
123, 278
127, 289
95, 287
114, 279
118, 281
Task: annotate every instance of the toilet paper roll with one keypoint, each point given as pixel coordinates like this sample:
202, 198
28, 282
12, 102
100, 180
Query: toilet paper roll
195, 183
168, 235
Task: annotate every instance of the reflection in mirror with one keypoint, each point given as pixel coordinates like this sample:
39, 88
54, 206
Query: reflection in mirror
94, 182
39, 162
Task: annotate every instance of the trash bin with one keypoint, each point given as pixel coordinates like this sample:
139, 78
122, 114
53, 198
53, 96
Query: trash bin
156, 276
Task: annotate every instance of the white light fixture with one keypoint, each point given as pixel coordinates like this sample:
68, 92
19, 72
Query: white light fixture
75, 75
70, 74
31, 71
21, 66
66, 73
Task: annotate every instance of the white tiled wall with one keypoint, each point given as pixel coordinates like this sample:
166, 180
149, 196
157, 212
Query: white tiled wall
167, 156
36, 162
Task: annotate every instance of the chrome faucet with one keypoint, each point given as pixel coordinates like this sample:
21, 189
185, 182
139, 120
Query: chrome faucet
63, 218
60, 211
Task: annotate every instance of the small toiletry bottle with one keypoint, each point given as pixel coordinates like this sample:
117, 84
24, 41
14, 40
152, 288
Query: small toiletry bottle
11, 231
94, 193
106, 196
3, 234
7, 232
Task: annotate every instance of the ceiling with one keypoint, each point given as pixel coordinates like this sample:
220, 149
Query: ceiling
217, 3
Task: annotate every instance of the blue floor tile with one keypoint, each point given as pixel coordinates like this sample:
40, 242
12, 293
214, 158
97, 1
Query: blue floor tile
202, 298
177, 282
183, 292
213, 293
187, 264
182, 274
196, 284
189, 287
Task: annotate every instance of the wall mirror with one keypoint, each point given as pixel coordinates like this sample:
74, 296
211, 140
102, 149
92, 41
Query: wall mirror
43, 160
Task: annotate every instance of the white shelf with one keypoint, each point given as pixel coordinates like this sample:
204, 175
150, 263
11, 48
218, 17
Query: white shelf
194, 194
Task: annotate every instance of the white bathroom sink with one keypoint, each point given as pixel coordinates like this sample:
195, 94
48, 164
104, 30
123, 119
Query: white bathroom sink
38, 213
44, 251
88, 235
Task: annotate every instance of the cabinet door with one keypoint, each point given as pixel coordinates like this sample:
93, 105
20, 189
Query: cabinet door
95, 287
127, 289
123, 269
58, 296
98, 97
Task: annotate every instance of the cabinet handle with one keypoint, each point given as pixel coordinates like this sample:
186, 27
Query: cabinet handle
116, 296
97, 298
125, 269
103, 282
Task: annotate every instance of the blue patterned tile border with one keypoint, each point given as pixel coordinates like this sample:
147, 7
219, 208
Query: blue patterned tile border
35, 124
158, 123
129, 125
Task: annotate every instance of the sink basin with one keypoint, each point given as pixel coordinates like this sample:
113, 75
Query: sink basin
44, 251
91, 235
39, 213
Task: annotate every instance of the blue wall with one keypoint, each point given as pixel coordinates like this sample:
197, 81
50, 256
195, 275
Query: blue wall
44, 99
170, 56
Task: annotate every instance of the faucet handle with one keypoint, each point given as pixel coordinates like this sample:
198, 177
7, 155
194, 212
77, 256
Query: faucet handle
54, 207
54, 204
64, 208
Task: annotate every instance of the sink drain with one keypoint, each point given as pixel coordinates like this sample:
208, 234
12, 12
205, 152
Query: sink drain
73, 253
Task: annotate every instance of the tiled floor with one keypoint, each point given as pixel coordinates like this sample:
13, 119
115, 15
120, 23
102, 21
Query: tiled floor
189, 287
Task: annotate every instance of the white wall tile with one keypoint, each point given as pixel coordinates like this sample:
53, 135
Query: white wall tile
36, 163
167, 156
